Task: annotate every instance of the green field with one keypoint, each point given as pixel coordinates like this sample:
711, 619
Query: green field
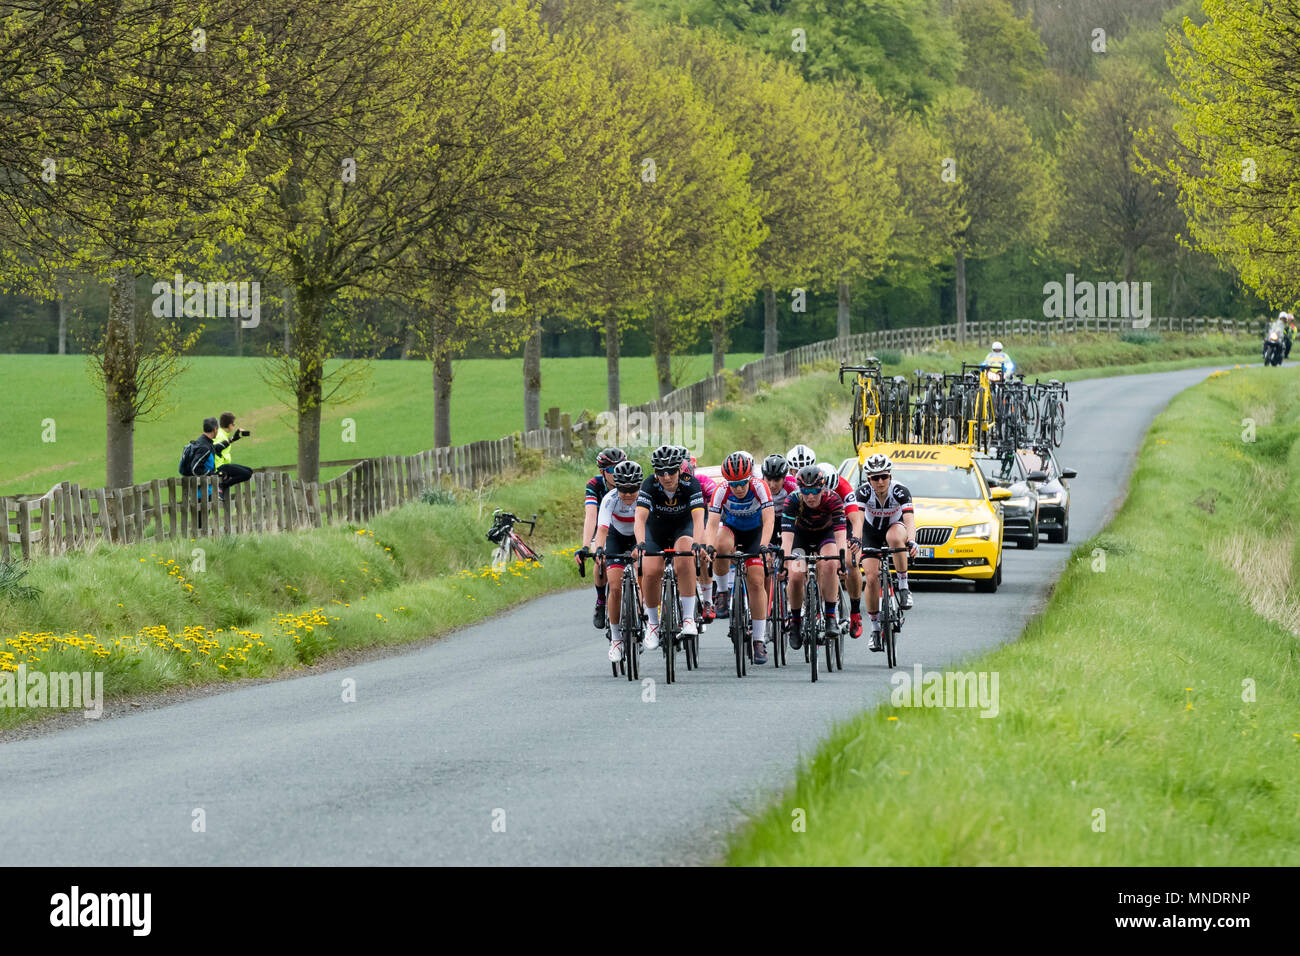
1147, 718
394, 417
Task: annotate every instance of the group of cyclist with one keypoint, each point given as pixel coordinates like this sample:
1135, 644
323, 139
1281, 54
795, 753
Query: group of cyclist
790, 505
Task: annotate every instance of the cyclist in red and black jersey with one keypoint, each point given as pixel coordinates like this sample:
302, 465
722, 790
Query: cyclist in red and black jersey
812, 522
597, 488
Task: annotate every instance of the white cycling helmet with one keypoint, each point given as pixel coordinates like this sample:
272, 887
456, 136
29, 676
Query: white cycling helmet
799, 456
878, 465
832, 476
997, 346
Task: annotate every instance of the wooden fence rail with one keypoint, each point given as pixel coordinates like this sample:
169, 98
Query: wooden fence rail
70, 518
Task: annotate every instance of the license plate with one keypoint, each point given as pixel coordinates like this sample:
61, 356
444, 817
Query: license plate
925, 552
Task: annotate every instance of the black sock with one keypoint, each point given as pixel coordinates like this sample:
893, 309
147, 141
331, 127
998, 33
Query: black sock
855, 605
600, 594
830, 607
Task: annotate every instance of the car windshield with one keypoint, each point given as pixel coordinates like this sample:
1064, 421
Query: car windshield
1000, 469
937, 481
1036, 462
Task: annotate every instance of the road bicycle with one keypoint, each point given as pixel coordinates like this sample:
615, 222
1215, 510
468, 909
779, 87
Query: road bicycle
631, 614
671, 639
891, 614
864, 410
741, 630
509, 543
1051, 412
812, 635
778, 611
928, 414
977, 406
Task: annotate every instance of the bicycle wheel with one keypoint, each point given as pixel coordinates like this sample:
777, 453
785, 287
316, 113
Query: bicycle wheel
630, 616
669, 625
887, 625
811, 616
1058, 424
857, 415
738, 624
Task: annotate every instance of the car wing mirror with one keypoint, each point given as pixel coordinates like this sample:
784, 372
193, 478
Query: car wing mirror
1037, 476
1068, 473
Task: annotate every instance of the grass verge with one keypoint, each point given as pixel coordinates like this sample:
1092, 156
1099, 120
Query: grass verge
1147, 717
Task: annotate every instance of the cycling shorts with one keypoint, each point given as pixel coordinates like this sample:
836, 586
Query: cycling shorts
747, 542
812, 542
661, 536
617, 543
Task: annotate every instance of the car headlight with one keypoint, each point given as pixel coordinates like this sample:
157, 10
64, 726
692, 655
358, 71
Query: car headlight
1052, 499
984, 531
1021, 502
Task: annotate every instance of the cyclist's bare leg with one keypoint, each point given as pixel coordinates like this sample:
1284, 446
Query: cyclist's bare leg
615, 595
652, 582
828, 577
686, 575
897, 538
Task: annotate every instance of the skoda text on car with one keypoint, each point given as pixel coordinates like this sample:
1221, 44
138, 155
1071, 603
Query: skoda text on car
958, 518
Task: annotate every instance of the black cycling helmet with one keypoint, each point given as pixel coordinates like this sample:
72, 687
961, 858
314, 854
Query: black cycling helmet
610, 457
627, 474
667, 456
810, 476
774, 466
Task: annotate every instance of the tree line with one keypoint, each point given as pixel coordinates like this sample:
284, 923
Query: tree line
438, 176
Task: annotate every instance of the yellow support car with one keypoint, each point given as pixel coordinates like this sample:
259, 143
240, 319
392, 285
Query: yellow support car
958, 517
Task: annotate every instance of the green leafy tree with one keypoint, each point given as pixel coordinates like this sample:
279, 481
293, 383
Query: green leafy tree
1001, 183
1237, 158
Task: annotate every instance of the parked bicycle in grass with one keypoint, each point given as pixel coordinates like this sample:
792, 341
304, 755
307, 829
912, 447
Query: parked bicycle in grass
510, 546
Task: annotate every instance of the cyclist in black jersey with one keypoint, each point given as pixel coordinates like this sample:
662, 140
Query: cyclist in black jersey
597, 488
812, 522
884, 519
670, 514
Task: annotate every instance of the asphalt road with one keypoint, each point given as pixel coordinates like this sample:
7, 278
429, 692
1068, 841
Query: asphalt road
509, 742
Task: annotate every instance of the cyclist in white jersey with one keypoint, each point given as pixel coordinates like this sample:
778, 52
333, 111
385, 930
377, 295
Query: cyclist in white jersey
615, 524
885, 519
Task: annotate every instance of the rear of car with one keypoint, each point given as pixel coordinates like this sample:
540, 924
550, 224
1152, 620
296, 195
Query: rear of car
1053, 494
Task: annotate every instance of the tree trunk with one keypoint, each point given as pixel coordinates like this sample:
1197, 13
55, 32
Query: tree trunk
533, 378
442, 372
120, 366
310, 315
663, 347
63, 322
769, 321
288, 319
239, 337
1130, 262
408, 343
843, 327
960, 295
611, 360
719, 344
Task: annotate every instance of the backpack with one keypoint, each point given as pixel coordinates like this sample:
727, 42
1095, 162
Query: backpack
195, 460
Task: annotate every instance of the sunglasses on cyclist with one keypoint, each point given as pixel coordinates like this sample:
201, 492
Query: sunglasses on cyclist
877, 478
667, 471
811, 489
739, 484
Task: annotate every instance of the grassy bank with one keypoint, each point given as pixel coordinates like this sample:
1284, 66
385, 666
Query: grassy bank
1146, 718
